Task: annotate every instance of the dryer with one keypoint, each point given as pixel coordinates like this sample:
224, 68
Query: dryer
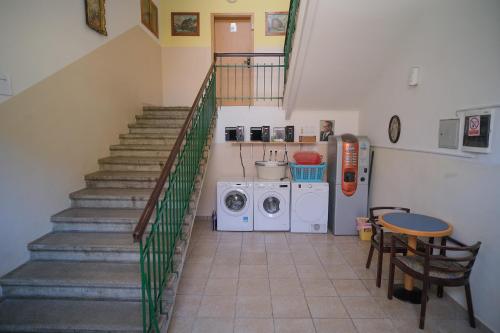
271, 205
309, 211
235, 205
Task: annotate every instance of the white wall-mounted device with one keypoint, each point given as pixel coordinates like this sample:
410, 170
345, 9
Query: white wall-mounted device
477, 129
413, 79
5, 85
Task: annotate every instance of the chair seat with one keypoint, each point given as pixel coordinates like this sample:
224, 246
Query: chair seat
387, 239
416, 263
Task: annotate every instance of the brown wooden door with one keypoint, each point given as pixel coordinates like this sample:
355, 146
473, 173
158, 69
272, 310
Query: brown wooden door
234, 82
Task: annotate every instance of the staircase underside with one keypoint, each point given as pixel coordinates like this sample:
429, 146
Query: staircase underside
84, 276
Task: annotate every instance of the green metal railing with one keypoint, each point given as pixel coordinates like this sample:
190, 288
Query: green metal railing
290, 33
169, 203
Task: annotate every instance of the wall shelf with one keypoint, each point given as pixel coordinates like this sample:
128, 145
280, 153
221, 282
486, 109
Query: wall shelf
260, 143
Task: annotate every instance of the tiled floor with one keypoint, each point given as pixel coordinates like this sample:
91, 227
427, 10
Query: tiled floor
282, 282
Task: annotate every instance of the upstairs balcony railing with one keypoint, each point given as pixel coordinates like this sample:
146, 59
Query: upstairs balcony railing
252, 79
290, 33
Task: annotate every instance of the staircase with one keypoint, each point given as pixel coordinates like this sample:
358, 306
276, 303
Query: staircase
84, 276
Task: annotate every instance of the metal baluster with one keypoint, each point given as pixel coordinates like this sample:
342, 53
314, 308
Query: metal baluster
279, 79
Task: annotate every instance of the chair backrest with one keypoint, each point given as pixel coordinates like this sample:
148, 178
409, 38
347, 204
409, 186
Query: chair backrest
375, 212
462, 254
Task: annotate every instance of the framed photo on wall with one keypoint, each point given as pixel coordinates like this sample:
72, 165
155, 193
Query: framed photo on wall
154, 19
146, 12
276, 23
326, 129
95, 15
185, 24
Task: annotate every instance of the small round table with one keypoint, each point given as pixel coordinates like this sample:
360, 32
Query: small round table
413, 225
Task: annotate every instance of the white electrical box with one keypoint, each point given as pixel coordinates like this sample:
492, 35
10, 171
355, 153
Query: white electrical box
5, 85
478, 125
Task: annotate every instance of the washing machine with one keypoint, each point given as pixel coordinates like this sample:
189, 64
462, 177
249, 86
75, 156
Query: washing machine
235, 205
309, 213
271, 205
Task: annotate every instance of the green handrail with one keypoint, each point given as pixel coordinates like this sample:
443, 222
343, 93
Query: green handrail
290, 32
173, 194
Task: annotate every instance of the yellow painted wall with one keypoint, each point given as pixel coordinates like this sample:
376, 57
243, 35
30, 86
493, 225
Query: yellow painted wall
207, 7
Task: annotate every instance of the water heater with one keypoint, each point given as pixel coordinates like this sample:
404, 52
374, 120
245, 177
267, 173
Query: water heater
347, 173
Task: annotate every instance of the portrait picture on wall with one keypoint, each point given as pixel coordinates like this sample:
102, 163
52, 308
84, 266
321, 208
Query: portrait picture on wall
146, 12
185, 24
326, 129
154, 20
276, 23
95, 14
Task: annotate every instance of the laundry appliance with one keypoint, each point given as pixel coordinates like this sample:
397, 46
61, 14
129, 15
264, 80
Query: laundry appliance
235, 205
271, 205
309, 208
348, 175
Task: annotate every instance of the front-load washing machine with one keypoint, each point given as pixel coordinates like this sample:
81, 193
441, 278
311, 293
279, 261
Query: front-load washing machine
271, 205
235, 205
309, 207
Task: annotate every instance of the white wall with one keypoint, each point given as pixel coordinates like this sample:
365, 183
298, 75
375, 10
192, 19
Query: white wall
225, 160
39, 38
457, 45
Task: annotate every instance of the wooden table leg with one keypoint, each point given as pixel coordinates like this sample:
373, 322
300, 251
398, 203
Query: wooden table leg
408, 280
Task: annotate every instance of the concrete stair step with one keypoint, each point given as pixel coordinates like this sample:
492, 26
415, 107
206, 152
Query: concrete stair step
162, 150
61, 316
85, 246
96, 219
122, 179
166, 108
163, 116
110, 197
141, 128
148, 139
74, 279
164, 121
117, 163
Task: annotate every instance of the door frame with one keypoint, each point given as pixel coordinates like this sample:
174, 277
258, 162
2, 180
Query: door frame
214, 16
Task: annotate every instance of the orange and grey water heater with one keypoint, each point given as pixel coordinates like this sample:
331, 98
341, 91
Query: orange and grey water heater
347, 173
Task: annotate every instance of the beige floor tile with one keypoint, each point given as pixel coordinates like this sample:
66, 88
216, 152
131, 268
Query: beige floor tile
282, 272
334, 326
253, 287
196, 270
275, 237
318, 287
213, 325
396, 309
222, 287
341, 271
293, 326
203, 259
306, 258
374, 290
277, 248
253, 271
217, 306
254, 307
311, 272
254, 325
290, 307
363, 273
279, 259
326, 307
224, 271
253, 258
181, 324
189, 286
332, 259
186, 305
286, 287
350, 288
373, 325
363, 307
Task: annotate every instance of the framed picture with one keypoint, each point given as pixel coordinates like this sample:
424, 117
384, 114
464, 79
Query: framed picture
276, 23
185, 24
154, 19
95, 14
146, 12
326, 129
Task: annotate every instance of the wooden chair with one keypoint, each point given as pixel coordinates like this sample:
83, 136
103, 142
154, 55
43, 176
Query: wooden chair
440, 269
381, 240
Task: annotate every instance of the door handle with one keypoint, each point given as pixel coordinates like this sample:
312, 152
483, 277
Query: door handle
247, 62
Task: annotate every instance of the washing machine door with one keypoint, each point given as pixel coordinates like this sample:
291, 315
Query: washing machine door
272, 204
234, 201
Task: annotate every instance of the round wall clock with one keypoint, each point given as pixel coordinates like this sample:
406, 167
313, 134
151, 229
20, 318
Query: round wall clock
394, 129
